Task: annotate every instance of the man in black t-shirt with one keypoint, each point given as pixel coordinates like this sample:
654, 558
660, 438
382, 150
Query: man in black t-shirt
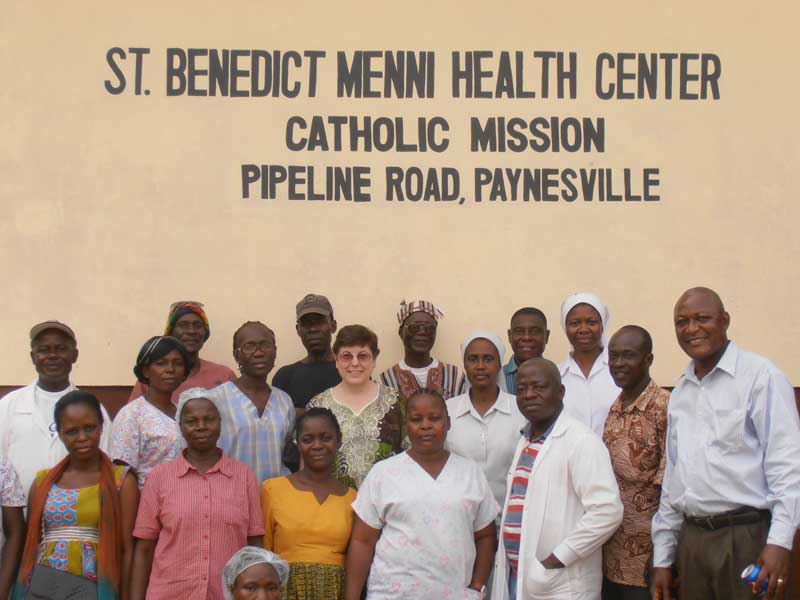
317, 371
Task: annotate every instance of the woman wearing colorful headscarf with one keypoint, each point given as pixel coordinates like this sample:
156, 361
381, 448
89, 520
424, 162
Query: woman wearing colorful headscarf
145, 432
81, 515
590, 389
418, 369
485, 422
188, 323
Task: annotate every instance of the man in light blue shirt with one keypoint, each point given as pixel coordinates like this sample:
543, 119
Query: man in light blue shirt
731, 492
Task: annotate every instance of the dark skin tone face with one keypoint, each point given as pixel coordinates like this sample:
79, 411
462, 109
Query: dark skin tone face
315, 333
165, 374
318, 444
53, 353
200, 425
540, 394
190, 330
418, 333
427, 424
258, 582
528, 336
482, 364
701, 326
584, 329
255, 351
80, 429
629, 362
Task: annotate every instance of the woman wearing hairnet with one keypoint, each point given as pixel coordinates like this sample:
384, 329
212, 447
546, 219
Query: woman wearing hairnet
254, 573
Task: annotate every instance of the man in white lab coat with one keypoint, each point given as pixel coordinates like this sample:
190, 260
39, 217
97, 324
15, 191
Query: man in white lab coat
562, 502
28, 437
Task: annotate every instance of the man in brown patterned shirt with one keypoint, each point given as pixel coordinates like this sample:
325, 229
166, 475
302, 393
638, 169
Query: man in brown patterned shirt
635, 434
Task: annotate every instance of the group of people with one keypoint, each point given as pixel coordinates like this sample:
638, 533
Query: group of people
510, 479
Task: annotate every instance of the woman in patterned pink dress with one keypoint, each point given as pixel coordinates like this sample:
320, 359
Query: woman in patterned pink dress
145, 433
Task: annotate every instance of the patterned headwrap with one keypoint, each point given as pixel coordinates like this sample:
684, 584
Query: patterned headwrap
409, 308
184, 307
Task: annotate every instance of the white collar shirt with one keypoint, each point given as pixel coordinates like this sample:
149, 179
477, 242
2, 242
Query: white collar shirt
733, 440
489, 440
589, 399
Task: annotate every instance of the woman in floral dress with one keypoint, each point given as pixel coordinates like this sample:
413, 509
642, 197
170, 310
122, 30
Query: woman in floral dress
369, 413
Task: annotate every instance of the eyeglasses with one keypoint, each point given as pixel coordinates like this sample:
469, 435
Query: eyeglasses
251, 347
348, 357
415, 328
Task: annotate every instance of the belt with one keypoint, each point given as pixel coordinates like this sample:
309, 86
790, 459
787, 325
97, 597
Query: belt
740, 516
71, 534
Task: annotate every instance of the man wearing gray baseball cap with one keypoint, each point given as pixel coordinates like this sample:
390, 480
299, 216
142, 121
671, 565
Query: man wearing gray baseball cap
28, 437
316, 372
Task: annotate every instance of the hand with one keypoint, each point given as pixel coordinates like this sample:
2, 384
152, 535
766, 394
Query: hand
774, 563
661, 587
551, 562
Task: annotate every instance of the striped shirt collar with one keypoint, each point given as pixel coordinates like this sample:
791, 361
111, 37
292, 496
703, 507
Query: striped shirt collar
223, 465
527, 431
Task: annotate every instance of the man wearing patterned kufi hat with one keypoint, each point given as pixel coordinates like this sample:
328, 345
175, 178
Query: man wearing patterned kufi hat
418, 321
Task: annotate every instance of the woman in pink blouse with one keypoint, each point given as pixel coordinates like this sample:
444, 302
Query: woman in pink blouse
145, 432
195, 513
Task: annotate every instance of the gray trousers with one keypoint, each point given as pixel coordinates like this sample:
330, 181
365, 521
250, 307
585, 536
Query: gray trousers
710, 563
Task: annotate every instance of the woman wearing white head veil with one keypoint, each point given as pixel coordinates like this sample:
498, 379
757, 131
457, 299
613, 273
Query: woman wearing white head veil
590, 390
485, 422
252, 570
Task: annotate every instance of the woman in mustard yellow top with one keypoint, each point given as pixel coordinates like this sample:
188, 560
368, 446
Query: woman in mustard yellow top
308, 515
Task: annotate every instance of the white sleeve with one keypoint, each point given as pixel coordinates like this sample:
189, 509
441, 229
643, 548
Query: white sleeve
488, 509
368, 505
667, 521
105, 437
593, 480
774, 417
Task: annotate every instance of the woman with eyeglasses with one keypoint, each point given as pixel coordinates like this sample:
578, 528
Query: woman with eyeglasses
369, 413
257, 420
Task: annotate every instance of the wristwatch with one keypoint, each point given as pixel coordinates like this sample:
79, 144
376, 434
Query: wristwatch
481, 591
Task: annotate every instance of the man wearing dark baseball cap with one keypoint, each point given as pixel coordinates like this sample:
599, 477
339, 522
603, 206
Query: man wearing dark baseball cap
28, 437
317, 371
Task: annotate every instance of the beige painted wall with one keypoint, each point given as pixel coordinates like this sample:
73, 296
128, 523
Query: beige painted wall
111, 207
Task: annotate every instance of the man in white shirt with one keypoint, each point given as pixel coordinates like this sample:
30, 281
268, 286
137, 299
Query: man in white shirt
562, 500
731, 491
28, 437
